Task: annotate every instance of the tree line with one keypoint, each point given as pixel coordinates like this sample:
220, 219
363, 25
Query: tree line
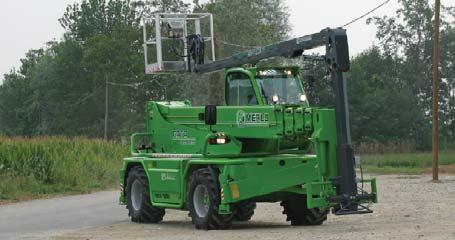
60, 89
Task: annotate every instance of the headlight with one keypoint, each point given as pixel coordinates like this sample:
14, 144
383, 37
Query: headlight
303, 98
218, 141
275, 98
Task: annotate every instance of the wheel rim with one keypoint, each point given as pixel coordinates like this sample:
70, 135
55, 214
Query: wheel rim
201, 200
136, 195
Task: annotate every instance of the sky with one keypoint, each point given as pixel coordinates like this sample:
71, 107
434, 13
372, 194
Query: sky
29, 24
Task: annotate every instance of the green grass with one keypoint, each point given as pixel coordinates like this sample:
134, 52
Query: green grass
407, 163
37, 167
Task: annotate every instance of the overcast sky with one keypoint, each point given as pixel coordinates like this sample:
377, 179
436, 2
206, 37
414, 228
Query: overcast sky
27, 24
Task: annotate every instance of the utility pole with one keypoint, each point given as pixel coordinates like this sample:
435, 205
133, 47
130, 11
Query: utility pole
436, 56
106, 107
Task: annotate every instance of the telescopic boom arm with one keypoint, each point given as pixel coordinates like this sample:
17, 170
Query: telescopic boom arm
336, 55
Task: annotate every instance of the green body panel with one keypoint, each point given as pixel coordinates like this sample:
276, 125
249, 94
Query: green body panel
266, 156
262, 129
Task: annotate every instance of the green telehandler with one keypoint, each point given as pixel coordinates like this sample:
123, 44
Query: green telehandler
266, 144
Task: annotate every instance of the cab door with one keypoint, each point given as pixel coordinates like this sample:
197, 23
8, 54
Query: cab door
239, 90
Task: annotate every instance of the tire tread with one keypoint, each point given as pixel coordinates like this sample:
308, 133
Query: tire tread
148, 213
214, 219
299, 214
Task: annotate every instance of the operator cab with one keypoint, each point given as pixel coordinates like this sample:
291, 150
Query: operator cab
264, 86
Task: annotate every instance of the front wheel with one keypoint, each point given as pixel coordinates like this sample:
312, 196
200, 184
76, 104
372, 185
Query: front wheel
244, 211
203, 200
299, 214
138, 201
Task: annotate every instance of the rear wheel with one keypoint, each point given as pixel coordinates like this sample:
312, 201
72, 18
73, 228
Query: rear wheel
203, 200
300, 215
243, 211
138, 201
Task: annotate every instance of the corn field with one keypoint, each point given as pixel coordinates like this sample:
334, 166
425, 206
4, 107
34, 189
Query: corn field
30, 167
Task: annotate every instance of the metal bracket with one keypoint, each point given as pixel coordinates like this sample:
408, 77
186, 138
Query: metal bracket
344, 210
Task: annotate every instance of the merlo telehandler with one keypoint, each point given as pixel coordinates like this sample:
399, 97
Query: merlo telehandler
266, 144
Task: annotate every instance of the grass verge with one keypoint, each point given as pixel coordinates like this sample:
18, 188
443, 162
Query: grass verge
39, 167
407, 163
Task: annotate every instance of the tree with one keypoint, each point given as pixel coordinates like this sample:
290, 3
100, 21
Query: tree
93, 17
408, 38
375, 89
144, 8
16, 117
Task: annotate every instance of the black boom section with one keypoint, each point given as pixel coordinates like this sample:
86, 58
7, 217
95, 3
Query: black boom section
290, 49
337, 57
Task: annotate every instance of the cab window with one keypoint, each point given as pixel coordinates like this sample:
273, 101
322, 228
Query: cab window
239, 90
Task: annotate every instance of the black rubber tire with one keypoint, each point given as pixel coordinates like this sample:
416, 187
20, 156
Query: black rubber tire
146, 213
299, 215
243, 211
213, 220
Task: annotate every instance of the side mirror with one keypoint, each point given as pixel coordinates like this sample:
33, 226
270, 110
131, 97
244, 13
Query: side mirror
210, 115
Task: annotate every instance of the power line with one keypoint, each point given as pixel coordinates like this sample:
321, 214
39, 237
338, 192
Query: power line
132, 85
345, 25
236, 45
122, 84
366, 14
85, 97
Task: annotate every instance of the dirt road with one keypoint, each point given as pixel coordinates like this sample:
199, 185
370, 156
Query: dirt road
410, 207
42, 219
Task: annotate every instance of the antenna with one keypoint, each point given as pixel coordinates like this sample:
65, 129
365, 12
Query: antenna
168, 37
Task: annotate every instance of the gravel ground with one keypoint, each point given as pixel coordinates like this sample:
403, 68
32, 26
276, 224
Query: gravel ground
411, 207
